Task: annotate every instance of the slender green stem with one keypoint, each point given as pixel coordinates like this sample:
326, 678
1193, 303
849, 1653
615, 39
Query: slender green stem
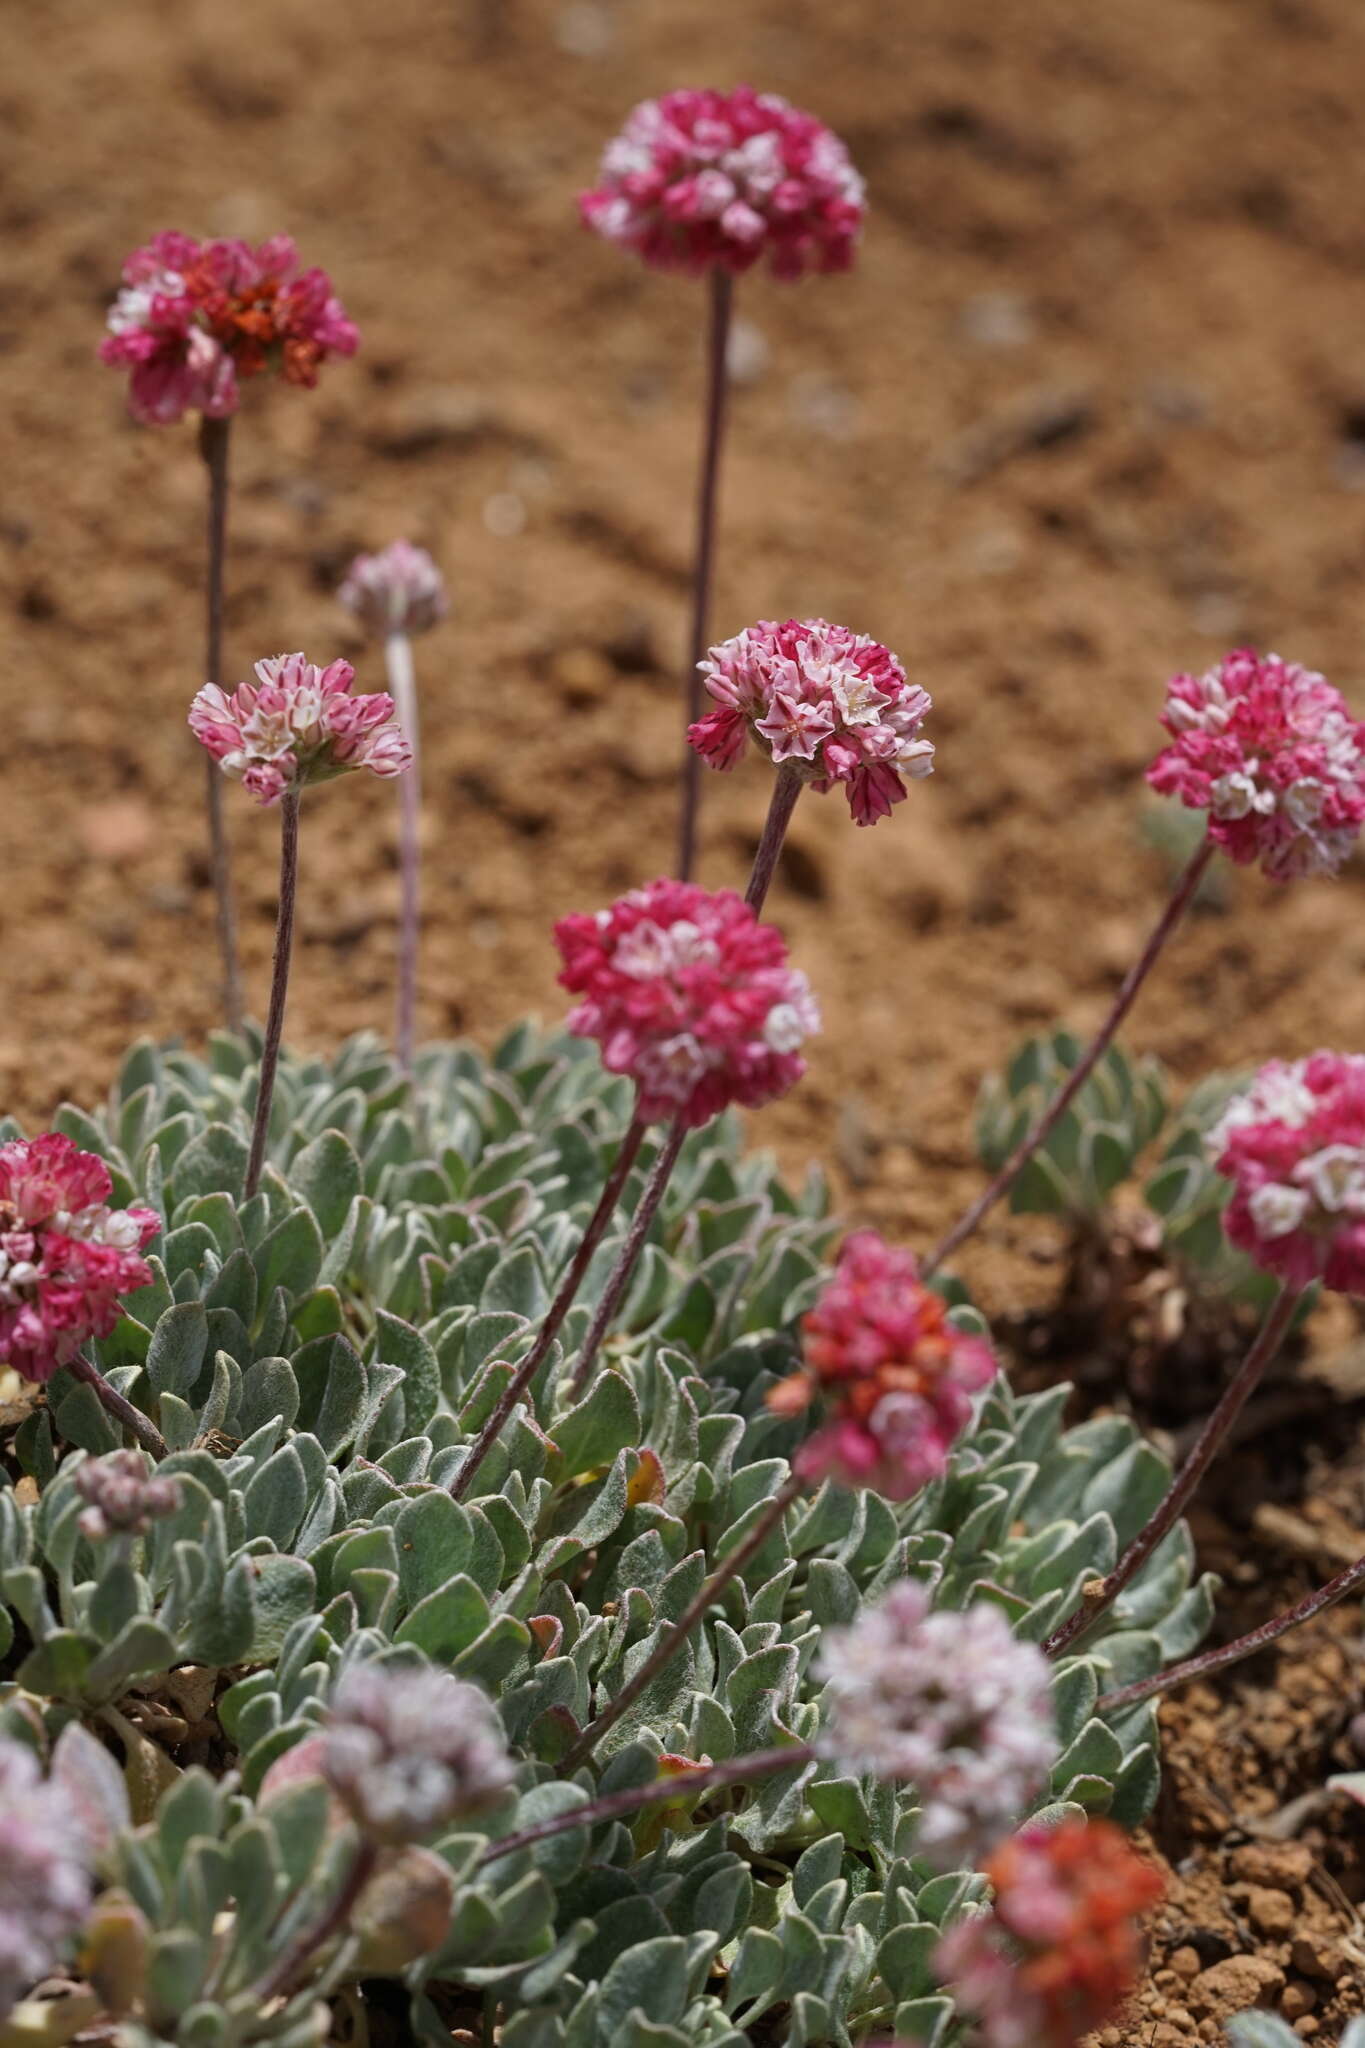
1101, 1593
1345, 1583
740, 1770
786, 790
620, 1273
214, 438
1180, 899
558, 1309
123, 1412
403, 685
279, 985
717, 380
286, 1973
668, 1645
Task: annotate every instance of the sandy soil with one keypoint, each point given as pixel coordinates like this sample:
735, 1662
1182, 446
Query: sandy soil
1091, 409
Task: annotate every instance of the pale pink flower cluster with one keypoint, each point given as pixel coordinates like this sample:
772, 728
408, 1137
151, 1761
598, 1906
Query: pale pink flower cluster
398, 590
297, 724
409, 1751
1270, 750
691, 996
832, 704
699, 179
122, 1496
193, 318
66, 1257
1293, 1147
949, 1703
45, 1888
893, 1374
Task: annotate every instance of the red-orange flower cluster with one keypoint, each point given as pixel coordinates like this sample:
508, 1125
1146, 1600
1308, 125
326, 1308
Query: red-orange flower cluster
1061, 1948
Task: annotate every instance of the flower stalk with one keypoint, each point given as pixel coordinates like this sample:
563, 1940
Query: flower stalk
1179, 902
620, 1274
786, 790
626, 1155
114, 1404
1208, 1661
739, 1770
279, 986
214, 438
285, 1975
670, 1643
1100, 1594
402, 683
721, 294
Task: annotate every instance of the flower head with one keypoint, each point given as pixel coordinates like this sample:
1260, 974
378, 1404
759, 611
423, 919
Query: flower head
1271, 752
832, 704
65, 1255
296, 725
896, 1377
689, 994
123, 1498
1293, 1147
949, 1703
399, 590
700, 179
408, 1751
1059, 1951
195, 317
44, 1886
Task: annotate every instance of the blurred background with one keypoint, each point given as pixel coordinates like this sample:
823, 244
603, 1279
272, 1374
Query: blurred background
1090, 409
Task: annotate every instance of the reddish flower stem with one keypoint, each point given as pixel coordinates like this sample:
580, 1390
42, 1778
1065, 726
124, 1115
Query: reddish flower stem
403, 685
558, 1309
717, 343
284, 1976
279, 986
630, 1251
739, 1770
214, 438
1179, 902
669, 1644
786, 790
1345, 1583
1101, 1593
123, 1412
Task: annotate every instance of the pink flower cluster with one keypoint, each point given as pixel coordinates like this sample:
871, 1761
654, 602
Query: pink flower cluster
398, 590
45, 1886
193, 318
1270, 750
296, 725
896, 1377
697, 179
65, 1255
832, 704
691, 996
949, 1703
1294, 1149
1060, 1949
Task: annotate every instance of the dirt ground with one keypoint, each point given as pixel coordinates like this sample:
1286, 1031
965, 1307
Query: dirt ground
1090, 409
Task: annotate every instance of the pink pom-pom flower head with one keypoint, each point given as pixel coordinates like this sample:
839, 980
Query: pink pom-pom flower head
830, 704
297, 724
948, 1702
690, 995
702, 179
1293, 1147
193, 318
66, 1257
398, 590
1270, 750
1060, 1948
896, 1377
